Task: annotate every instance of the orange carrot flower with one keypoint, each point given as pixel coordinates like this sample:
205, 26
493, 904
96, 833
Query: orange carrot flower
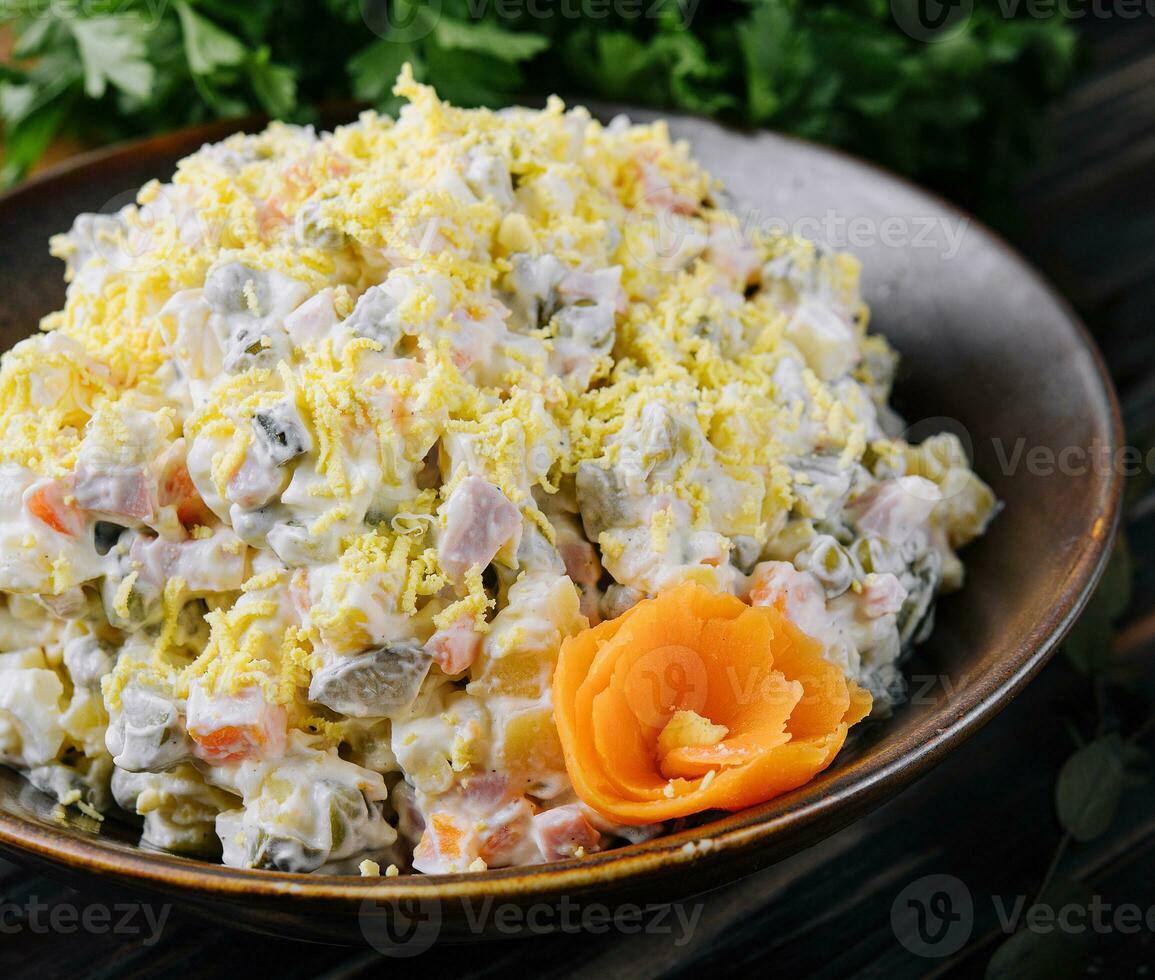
695, 701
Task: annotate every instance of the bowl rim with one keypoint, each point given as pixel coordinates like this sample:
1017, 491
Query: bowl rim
745, 831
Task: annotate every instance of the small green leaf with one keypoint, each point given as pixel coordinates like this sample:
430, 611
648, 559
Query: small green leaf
275, 86
1115, 588
36, 38
1029, 955
1088, 645
113, 51
207, 46
489, 39
26, 142
1089, 787
374, 69
16, 101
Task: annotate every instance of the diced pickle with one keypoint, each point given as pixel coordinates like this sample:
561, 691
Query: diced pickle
373, 683
312, 231
916, 618
87, 661
601, 498
375, 317
275, 853
139, 604
744, 552
339, 825
532, 287
282, 432
179, 809
255, 344
147, 732
821, 485
237, 288
89, 778
253, 526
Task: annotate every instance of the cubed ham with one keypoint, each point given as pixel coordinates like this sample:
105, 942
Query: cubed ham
479, 521
802, 593
581, 561
882, 594
313, 320
584, 568
257, 481
896, 509
729, 250
561, 832
455, 648
122, 495
214, 564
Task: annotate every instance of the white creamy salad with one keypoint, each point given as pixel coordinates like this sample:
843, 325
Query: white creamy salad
338, 436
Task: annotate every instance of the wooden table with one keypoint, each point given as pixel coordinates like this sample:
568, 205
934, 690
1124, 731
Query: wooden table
986, 816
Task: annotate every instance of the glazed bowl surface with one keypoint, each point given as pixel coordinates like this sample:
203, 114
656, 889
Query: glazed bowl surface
989, 351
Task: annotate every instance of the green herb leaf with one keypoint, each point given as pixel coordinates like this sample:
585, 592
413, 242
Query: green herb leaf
207, 46
373, 70
113, 52
967, 113
1115, 588
26, 142
1089, 788
1030, 955
488, 39
1088, 645
274, 85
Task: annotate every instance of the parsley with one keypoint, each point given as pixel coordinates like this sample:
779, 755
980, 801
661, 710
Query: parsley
965, 113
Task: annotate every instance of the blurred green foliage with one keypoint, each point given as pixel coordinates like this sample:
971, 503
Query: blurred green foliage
964, 113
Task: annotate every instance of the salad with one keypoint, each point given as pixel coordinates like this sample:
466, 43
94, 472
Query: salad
462, 491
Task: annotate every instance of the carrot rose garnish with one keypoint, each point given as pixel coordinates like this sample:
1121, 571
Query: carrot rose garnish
695, 701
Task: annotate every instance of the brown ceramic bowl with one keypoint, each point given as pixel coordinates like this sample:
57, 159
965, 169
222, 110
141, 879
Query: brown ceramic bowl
985, 342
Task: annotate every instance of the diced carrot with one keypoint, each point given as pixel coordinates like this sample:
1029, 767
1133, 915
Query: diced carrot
230, 743
759, 710
442, 846
229, 728
46, 504
178, 490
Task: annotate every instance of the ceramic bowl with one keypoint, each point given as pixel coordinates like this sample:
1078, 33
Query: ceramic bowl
989, 350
